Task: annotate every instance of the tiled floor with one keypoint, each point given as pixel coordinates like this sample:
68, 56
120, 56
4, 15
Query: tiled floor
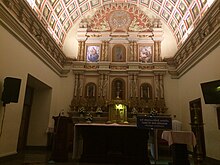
42, 157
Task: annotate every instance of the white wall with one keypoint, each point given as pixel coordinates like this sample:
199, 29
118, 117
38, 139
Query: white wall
189, 89
171, 96
37, 131
18, 61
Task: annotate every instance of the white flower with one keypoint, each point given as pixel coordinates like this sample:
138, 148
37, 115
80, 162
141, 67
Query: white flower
99, 110
82, 110
134, 111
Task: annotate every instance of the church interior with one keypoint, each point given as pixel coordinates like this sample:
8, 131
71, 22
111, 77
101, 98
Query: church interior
79, 76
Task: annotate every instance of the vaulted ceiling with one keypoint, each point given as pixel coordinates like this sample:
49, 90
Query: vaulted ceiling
59, 16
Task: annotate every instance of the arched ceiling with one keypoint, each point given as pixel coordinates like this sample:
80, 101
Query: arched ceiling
59, 16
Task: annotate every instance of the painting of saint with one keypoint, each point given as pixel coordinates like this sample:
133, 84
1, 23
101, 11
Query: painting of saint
93, 53
145, 54
118, 53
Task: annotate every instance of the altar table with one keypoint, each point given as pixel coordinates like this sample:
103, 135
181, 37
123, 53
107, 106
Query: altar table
178, 140
110, 143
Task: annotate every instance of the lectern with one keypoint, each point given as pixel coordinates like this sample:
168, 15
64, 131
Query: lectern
62, 128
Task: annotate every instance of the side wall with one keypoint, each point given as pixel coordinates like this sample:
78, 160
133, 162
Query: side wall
189, 89
18, 61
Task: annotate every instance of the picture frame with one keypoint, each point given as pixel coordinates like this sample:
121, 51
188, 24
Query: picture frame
118, 53
93, 53
145, 54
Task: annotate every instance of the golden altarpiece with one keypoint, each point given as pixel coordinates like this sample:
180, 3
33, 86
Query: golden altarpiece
119, 71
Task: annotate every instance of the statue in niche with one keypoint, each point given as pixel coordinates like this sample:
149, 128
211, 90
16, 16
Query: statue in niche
90, 90
117, 89
145, 91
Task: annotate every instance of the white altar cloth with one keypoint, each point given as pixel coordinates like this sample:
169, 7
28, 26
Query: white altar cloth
179, 137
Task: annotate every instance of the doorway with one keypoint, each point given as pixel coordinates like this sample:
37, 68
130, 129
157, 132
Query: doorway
22, 139
35, 115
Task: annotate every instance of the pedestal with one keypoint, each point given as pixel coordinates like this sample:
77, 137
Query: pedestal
179, 154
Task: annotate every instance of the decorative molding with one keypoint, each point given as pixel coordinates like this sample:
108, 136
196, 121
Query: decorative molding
17, 17
23, 25
198, 45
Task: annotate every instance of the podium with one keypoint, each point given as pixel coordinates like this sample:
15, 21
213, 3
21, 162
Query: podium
63, 126
178, 141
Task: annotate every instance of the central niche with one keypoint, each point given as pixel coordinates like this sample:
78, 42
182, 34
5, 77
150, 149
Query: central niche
119, 20
118, 89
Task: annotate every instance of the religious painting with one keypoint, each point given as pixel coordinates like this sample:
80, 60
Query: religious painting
93, 53
145, 54
118, 53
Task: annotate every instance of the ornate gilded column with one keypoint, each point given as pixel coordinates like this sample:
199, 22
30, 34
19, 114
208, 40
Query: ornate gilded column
105, 45
103, 85
81, 85
106, 50
135, 51
131, 46
130, 93
81, 50
78, 85
133, 86
157, 51
159, 86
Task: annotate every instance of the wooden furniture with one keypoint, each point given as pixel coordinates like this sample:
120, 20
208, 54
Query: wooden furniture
110, 143
197, 127
178, 141
62, 138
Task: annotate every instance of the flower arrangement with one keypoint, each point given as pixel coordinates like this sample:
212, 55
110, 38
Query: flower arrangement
88, 117
81, 110
153, 112
99, 111
134, 112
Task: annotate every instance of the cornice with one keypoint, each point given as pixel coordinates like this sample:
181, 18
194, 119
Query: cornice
121, 68
198, 45
23, 25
